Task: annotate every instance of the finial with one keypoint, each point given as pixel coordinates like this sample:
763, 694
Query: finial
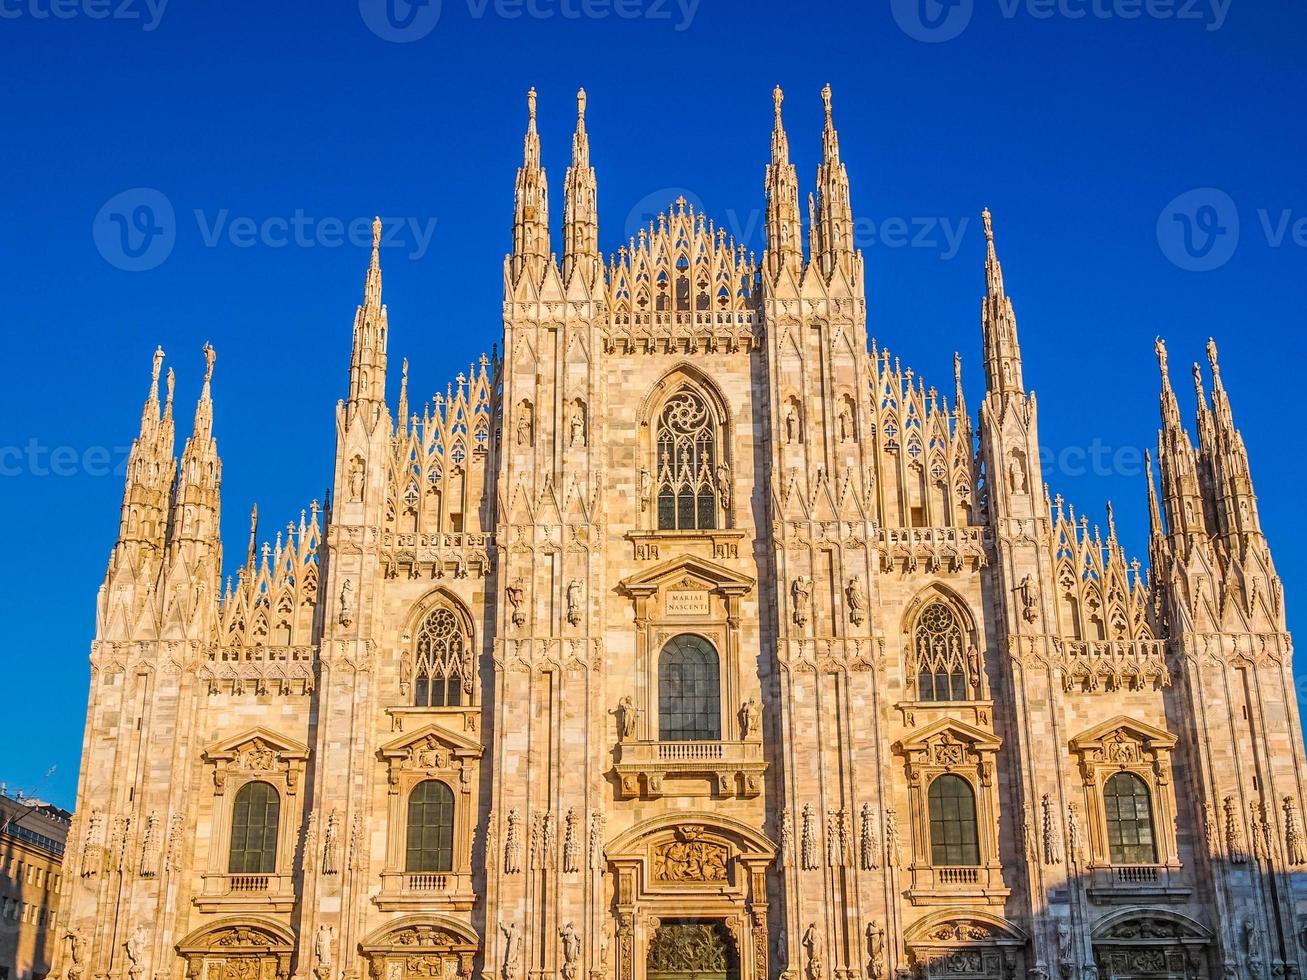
1198, 383
777, 97
957, 367
172, 385
580, 104
1211, 358
1159, 345
376, 233
209, 357
531, 106
158, 365
825, 98
989, 225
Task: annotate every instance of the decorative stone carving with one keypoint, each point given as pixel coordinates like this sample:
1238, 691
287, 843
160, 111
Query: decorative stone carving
808, 839
597, 841
513, 844
868, 857
1026, 593
91, 846
512, 951
515, 592
137, 947
812, 946
1234, 833
571, 843
76, 941
688, 948
323, 941
151, 845
331, 845
625, 713
346, 615
875, 937
571, 946
1293, 843
1052, 838
690, 858
891, 837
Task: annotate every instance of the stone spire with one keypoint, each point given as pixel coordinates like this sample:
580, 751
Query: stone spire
196, 507
367, 367
531, 194
150, 470
999, 324
1234, 502
1182, 493
580, 208
833, 225
784, 227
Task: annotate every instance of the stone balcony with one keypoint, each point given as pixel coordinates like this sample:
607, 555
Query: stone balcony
246, 893
654, 768
1125, 884
949, 884
412, 890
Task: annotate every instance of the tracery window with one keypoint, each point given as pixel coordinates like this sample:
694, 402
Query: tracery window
430, 828
686, 464
940, 654
442, 672
689, 691
1129, 815
954, 840
254, 821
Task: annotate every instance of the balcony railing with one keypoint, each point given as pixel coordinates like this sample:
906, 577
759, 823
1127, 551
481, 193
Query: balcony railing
735, 768
957, 876
247, 884
273, 892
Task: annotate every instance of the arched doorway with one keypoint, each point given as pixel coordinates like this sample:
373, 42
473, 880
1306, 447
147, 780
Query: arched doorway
1151, 944
692, 949
238, 949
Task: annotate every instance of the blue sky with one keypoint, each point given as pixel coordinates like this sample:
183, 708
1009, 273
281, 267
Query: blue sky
271, 131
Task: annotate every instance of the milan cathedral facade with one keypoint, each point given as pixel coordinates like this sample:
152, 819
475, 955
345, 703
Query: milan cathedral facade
690, 636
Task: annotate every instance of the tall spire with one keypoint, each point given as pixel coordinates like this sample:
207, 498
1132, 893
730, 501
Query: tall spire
1182, 493
784, 227
833, 225
1227, 460
531, 194
367, 367
196, 501
150, 470
580, 208
999, 324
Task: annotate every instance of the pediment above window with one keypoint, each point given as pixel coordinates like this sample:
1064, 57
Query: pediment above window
1122, 739
432, 747
938, 738
256, 750
688, 572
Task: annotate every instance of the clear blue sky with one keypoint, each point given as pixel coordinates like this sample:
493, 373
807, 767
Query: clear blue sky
1079, 132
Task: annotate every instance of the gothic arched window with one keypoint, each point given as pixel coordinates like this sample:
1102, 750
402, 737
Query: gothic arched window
939, 652
689, 691
1129, 808
686, 464
443, 669
430, 828
254, 822
953, 838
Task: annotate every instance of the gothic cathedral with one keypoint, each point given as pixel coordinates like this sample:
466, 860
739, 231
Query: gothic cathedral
690, 638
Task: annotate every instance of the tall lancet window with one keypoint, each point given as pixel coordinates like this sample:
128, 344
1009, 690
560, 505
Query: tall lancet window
687, 463
941, 658
443, 670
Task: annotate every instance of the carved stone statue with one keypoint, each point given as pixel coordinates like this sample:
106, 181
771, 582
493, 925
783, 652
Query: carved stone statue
571, 944
513, 844
512, 950
515, 592
812, 945
356, 479
646, 481
875, 950
751, 719
76, 954
1026, 590
1016, 474
792, 425
856, 596
625, 718
524, 426
322, 943
574, 600
801, 597
136, 946
578, 426
724, 485
346, 616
